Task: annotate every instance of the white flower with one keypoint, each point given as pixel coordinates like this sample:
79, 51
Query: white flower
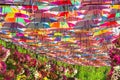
7, 55
66, 71
117, 67
36, 74
75, 71
48, 66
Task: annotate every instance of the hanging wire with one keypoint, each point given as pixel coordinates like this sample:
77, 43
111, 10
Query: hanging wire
33, 11
3, 13
87, 30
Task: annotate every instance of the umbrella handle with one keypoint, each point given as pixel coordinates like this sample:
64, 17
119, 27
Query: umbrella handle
30, 2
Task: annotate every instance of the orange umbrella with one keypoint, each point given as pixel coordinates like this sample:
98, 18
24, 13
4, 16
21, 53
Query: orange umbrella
55, 25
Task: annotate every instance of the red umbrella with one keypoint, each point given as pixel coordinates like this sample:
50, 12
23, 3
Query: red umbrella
111, 16
62, 2
109, 24
34, 7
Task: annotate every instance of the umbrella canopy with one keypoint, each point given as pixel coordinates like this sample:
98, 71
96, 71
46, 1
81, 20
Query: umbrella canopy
70, 30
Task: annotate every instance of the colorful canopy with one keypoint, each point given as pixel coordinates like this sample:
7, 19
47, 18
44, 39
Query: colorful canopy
80, 30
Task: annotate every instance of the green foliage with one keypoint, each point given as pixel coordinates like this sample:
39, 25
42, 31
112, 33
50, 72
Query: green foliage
83, 72
91, 72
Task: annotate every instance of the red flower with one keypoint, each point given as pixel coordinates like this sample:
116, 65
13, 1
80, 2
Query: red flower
32, 62
9, 75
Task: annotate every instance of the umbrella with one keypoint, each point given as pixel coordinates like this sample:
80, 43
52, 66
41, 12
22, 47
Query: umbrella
59, 25
14, 25
101, 32
115, 6
63, 8
45, 15
62, 2
94, 7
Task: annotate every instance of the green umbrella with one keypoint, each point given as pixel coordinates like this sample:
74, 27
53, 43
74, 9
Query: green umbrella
6, 9
75, 2
20, 20
117, 15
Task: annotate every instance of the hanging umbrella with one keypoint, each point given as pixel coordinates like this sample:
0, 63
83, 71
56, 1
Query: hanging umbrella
73, 19
82, 25
34, 7
66, 14
63, 8
45, 15
94, 7
92, 14
102, 31
14, 14
115, 7
61, 2
109, 24
59, 25
14, 25
69, 18
55, 25
20, 15
36, 25
75, 2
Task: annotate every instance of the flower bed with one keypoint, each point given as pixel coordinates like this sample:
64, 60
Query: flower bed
114, 73
30, 66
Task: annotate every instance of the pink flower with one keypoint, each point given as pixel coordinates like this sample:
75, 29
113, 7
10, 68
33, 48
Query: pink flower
28, 58
64, 77
27, 72
111, 72
2, 67
113, 52
17, 55
114, 41
115, 56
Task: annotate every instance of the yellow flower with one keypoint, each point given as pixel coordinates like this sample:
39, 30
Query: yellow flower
21, 77
45, 78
